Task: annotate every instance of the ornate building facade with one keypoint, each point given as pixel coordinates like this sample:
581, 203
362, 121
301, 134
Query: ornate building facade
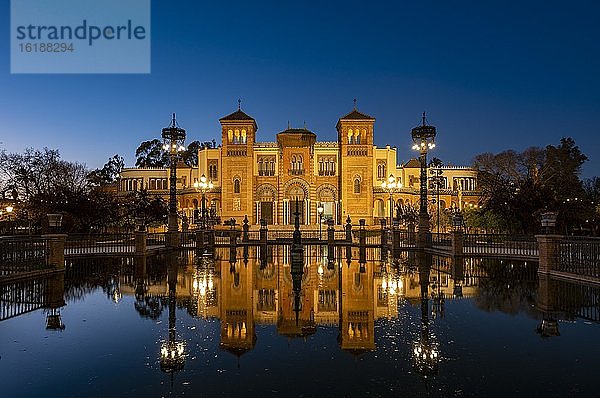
271, 180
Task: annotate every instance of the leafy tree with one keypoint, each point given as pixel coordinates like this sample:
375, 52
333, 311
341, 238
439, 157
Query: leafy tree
151, 154
518, 187
109, 173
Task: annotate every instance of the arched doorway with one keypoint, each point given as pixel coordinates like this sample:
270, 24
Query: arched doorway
266, 196
327, 197
295, 200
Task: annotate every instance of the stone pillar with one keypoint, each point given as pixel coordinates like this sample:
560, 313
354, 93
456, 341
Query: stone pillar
173, 238
263, 243
141, 238
245, 229
56, 249
330, 244
348, 240
457, 243
548, 251
362, 245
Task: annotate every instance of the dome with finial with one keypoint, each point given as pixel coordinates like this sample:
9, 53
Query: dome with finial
355, 115
238, 116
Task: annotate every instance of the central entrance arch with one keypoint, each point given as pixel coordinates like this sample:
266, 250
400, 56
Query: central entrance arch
296, 199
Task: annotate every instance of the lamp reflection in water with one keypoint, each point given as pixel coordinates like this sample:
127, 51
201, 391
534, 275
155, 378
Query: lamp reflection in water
172, 352
425, 349
391, 288
203, 285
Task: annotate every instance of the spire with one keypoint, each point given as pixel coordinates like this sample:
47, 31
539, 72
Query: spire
239, 104
424, 119
354, 103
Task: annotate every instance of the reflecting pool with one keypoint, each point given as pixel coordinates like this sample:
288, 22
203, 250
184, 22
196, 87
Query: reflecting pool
245, 322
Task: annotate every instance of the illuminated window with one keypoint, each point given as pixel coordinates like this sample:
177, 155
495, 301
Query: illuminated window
236, 186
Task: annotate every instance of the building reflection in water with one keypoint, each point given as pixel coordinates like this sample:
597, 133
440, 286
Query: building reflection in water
241, 291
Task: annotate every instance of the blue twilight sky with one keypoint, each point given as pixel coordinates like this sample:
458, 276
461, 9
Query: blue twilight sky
491, 75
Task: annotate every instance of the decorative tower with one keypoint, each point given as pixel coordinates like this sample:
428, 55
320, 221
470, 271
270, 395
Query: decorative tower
355, 142
238, 137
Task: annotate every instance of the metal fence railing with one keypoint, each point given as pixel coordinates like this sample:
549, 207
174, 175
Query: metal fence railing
441, 240
500, 244
156, 239
579, 256
188, 239
23, 254
78, 244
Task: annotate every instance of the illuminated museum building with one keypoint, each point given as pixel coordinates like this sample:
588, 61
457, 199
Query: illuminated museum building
263, 179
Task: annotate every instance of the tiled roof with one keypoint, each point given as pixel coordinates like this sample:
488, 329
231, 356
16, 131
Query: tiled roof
237, 115
413, 163
356, 115
297, 130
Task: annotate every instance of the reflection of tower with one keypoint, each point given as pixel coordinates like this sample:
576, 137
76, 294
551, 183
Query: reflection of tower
357, 305
425, 350
172, 352
237, 318
297, 263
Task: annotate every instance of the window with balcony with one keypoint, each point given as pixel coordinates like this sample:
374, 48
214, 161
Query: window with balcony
297, 165
327, 166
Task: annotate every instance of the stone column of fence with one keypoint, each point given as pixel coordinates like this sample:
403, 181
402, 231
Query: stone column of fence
362, 245
56, 249
263, 243
173, 239
233, 235
141, 242
548, 251
348, 229
458, 240
245, 229
330, 244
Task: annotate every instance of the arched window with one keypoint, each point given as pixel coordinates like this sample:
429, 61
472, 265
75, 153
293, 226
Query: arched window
381, 172
243, 138
350, 136
236, 186
357, 185
230, 135
357, 137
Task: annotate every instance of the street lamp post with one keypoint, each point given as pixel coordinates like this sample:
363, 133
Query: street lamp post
173, 139
320, 210
203, 185
423, 137
391, 185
